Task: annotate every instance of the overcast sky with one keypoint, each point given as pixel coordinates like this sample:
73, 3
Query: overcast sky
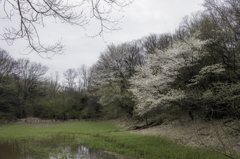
141, 18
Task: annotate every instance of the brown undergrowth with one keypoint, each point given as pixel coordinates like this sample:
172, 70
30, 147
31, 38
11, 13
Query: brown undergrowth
217, 134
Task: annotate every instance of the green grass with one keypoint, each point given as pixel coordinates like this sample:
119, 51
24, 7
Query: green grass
149, 147
99, 135
17, 131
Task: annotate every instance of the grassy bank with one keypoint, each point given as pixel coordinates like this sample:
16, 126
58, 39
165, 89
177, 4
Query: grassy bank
98, 135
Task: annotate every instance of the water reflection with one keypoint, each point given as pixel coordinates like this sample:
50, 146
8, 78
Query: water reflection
81, 152
11, 150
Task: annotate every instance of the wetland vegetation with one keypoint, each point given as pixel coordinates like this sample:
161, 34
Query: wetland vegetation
64, 139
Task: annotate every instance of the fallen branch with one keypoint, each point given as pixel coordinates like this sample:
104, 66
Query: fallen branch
152, 124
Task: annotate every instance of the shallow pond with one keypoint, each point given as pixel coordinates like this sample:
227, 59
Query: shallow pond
81, 152
11, 150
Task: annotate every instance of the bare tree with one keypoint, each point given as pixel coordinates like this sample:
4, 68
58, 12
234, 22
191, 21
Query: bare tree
70, 75
8, 91
29, 74
32, 13
30, 82
83, 73
53, 83
154, 41
7, 65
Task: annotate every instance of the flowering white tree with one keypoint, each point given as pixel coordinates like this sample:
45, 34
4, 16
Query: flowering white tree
214, 70
151, 85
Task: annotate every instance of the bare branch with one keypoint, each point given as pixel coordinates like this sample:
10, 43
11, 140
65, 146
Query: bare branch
32, 13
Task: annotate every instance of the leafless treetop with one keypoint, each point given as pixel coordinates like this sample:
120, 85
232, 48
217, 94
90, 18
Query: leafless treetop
32, 13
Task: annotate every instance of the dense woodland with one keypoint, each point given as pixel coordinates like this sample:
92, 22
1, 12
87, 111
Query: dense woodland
195, 71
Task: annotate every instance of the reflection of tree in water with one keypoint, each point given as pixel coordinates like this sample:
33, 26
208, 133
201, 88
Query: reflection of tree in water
81, 152
11, 150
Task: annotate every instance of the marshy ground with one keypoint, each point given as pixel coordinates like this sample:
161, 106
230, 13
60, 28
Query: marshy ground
173, 139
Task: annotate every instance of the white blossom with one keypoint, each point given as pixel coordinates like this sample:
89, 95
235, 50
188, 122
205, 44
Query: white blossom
150, 85
215, 69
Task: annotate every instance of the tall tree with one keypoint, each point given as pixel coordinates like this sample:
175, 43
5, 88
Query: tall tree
70, 76
30, 80
8, 90
112, 72
152, 84
154, 41
83, 74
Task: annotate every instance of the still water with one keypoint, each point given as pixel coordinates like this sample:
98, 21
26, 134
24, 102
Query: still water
82, 152
10, 150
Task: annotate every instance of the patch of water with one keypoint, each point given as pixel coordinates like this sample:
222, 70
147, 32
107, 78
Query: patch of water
81, 152
11, 150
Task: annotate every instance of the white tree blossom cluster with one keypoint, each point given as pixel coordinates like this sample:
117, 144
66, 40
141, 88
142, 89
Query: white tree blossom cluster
151, 84
215, 69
